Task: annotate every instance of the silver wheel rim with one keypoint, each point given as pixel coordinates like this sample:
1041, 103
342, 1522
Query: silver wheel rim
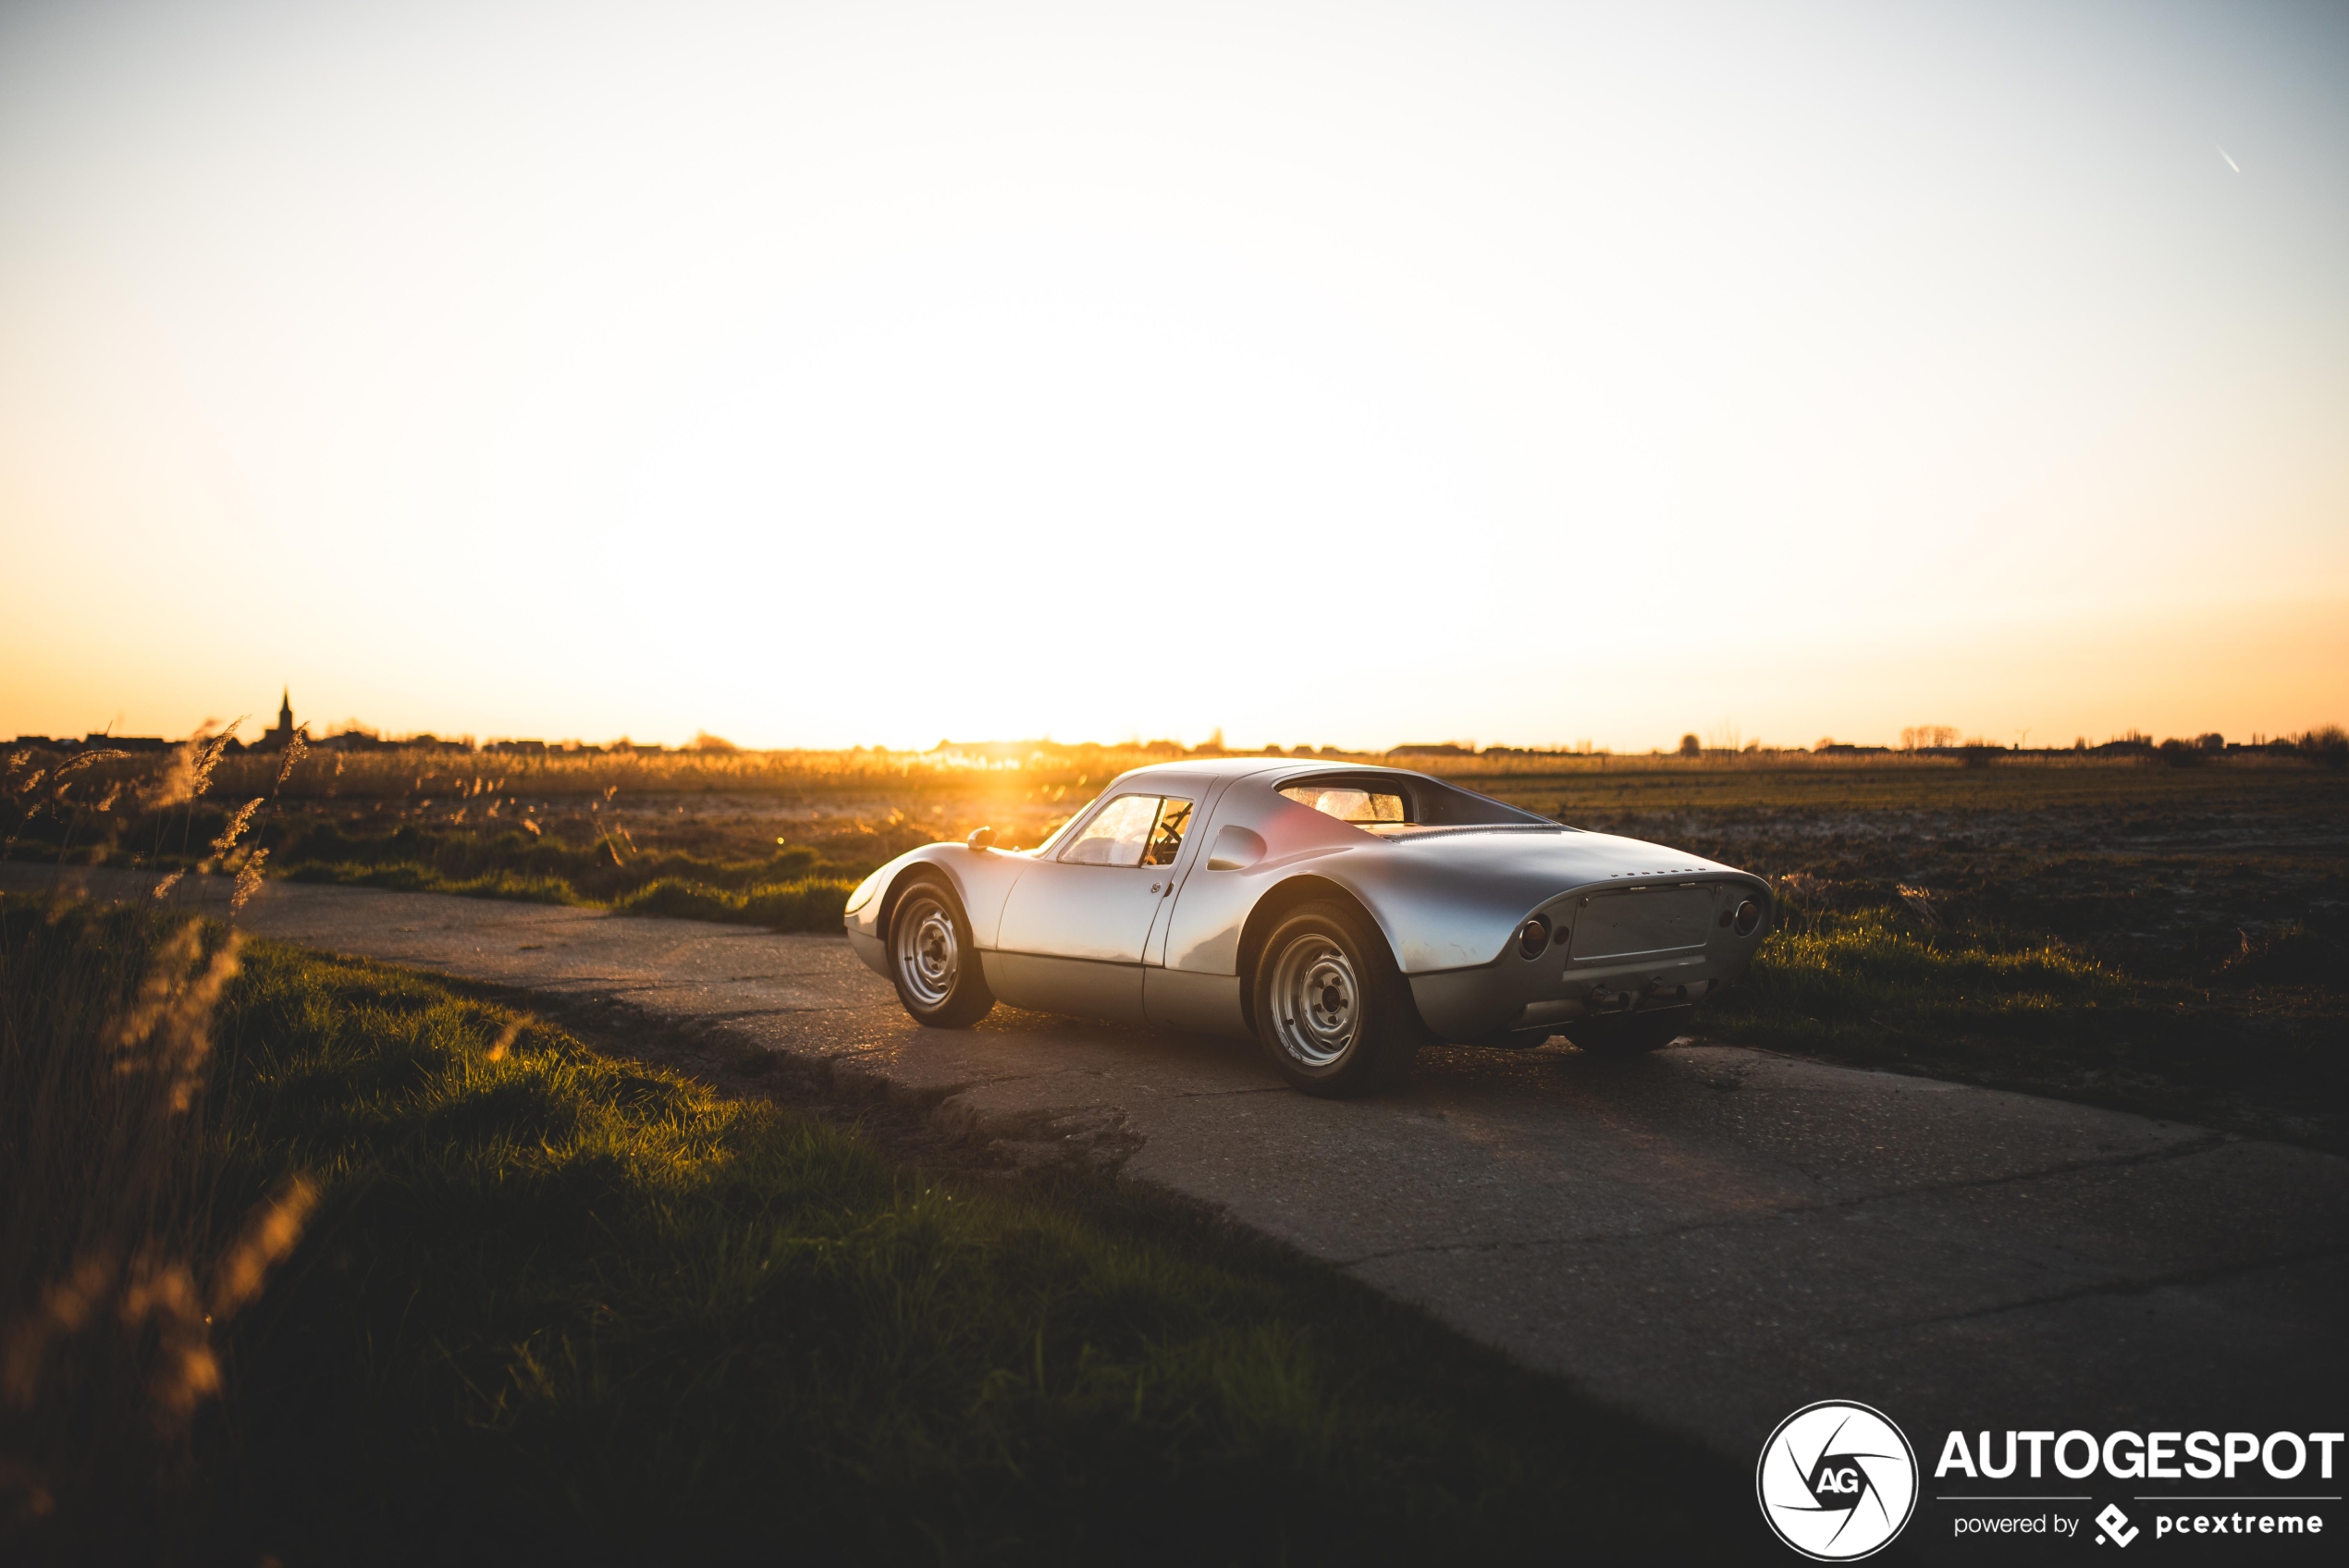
1317, 1002
929, 957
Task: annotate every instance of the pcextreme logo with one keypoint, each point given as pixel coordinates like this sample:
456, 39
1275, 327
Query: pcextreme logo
1838, 1481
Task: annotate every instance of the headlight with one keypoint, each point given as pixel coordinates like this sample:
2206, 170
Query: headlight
864, 893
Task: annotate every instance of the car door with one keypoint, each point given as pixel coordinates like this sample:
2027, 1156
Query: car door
1075, 928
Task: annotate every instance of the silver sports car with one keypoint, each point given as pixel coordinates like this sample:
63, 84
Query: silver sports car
1340, 916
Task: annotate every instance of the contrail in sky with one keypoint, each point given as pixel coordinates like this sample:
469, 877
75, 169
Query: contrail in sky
2231, 163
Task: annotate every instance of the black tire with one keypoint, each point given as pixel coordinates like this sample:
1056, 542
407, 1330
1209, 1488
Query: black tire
1631, 1034
1349, 1025
932, 958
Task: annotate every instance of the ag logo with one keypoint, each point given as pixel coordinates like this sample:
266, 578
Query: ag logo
1837, 1481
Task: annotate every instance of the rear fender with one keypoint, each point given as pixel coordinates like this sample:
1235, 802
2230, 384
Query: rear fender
1267, 914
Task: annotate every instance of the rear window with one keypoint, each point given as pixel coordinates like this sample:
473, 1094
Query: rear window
1394, 804
1349, 803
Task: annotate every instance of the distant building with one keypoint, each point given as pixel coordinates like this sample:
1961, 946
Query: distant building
278, 739
352, 739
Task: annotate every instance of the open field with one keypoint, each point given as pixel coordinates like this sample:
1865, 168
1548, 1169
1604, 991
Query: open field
2170, 940
2165, 938
526, 1298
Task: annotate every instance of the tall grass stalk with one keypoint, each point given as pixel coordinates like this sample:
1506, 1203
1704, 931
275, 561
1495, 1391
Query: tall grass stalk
117, 1265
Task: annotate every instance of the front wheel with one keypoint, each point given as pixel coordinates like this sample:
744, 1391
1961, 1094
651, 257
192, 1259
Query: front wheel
1332, 1009
933, 961
1630, 1033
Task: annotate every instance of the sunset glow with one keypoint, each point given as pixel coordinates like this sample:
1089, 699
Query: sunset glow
826, 375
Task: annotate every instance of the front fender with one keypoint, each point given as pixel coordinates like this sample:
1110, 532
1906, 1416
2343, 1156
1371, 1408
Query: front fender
981, 879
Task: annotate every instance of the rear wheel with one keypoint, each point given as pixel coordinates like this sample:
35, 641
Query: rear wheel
1332, 1009
933, 961
1630, 1033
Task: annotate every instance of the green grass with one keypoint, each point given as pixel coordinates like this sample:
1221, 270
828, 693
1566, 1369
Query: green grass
1876, 988
554, 1305
1821, 980
807, 903
408, 876
787, 887
791, 889
811, 903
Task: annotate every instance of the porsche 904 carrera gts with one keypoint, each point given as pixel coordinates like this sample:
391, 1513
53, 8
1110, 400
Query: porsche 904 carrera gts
1342, 917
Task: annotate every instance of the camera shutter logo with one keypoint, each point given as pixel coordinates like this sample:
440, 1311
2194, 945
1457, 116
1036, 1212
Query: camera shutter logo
1838, 1481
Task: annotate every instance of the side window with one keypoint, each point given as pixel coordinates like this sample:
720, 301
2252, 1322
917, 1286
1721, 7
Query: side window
1117, 836
1132, 830
1166, 839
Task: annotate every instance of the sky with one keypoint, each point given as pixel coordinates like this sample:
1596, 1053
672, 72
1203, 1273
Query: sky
1327, 374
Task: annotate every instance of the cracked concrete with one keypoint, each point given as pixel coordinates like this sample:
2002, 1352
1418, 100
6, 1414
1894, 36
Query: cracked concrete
1713, 1236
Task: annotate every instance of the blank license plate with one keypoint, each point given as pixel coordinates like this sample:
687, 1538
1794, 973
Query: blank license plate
1625, 924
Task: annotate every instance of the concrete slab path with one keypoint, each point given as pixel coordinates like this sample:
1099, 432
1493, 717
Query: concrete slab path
1712, 1236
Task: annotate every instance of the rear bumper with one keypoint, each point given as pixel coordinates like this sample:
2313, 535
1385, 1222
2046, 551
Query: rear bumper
1470, 1004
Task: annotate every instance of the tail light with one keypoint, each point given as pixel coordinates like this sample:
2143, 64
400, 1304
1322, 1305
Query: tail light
1533, 936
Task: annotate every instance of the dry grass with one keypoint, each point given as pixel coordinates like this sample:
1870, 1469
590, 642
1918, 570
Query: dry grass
318, 774
452, 775
120, 1263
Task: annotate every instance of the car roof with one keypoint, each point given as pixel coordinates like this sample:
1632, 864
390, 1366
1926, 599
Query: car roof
1204, 768
1242, 767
